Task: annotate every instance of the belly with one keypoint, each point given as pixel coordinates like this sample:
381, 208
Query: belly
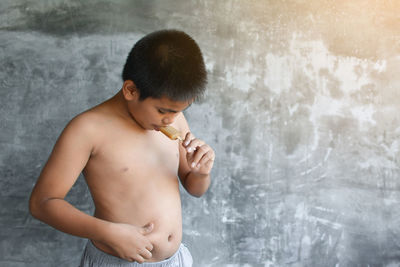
153, 200
165, 238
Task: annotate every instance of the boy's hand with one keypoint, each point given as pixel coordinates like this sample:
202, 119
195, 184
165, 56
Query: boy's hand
200, 156
130, 242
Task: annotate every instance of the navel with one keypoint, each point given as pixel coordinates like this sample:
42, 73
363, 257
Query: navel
169, 238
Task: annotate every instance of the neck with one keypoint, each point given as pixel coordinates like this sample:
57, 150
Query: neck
120, 106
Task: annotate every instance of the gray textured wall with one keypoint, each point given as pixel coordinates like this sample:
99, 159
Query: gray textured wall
302, 110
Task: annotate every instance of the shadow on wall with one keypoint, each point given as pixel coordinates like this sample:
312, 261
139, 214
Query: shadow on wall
64, 19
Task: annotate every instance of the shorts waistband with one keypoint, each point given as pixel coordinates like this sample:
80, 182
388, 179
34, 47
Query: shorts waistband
100, 257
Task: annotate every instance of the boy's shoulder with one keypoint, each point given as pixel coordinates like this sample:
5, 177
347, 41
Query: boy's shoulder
87, 127
88, 122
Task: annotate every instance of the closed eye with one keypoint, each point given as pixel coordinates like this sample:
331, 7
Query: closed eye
165, 111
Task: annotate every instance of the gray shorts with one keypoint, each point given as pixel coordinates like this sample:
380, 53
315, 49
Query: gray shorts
93, 257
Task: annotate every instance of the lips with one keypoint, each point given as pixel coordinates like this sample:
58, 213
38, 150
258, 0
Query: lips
157, 128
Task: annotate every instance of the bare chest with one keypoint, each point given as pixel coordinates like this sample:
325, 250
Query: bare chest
125, 154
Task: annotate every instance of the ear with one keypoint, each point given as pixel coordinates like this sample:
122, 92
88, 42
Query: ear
130, 91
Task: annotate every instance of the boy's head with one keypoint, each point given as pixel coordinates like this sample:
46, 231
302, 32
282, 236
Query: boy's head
166, 63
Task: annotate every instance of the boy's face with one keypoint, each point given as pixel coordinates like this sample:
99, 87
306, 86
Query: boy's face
153, 113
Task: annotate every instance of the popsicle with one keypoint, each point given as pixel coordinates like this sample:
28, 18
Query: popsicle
171, 133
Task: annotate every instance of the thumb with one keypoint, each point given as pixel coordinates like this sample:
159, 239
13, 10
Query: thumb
147, 229
190, 157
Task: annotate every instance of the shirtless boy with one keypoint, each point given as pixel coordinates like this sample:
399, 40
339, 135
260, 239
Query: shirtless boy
131, 168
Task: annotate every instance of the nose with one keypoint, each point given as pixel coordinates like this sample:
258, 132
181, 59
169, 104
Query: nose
168, 119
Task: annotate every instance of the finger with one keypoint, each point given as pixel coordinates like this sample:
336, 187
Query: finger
188, 137
131, 259
209, 164
202, 151
149, 247
146, 254
139, 259
194, 145
191, 141
189, 158
147, 229
207, 160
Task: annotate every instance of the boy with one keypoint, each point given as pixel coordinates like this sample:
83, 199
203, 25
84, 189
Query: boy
130, 167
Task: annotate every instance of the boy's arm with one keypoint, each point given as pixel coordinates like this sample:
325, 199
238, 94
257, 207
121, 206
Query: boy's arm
196, 160
68, 158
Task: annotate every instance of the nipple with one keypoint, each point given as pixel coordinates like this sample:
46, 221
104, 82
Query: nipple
171, 133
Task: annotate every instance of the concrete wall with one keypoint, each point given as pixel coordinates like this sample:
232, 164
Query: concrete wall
302, 109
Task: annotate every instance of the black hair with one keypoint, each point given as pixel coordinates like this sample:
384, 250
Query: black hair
167, 63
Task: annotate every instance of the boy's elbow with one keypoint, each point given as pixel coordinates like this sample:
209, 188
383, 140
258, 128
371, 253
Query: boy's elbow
196, 193
193, 191
34, 207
